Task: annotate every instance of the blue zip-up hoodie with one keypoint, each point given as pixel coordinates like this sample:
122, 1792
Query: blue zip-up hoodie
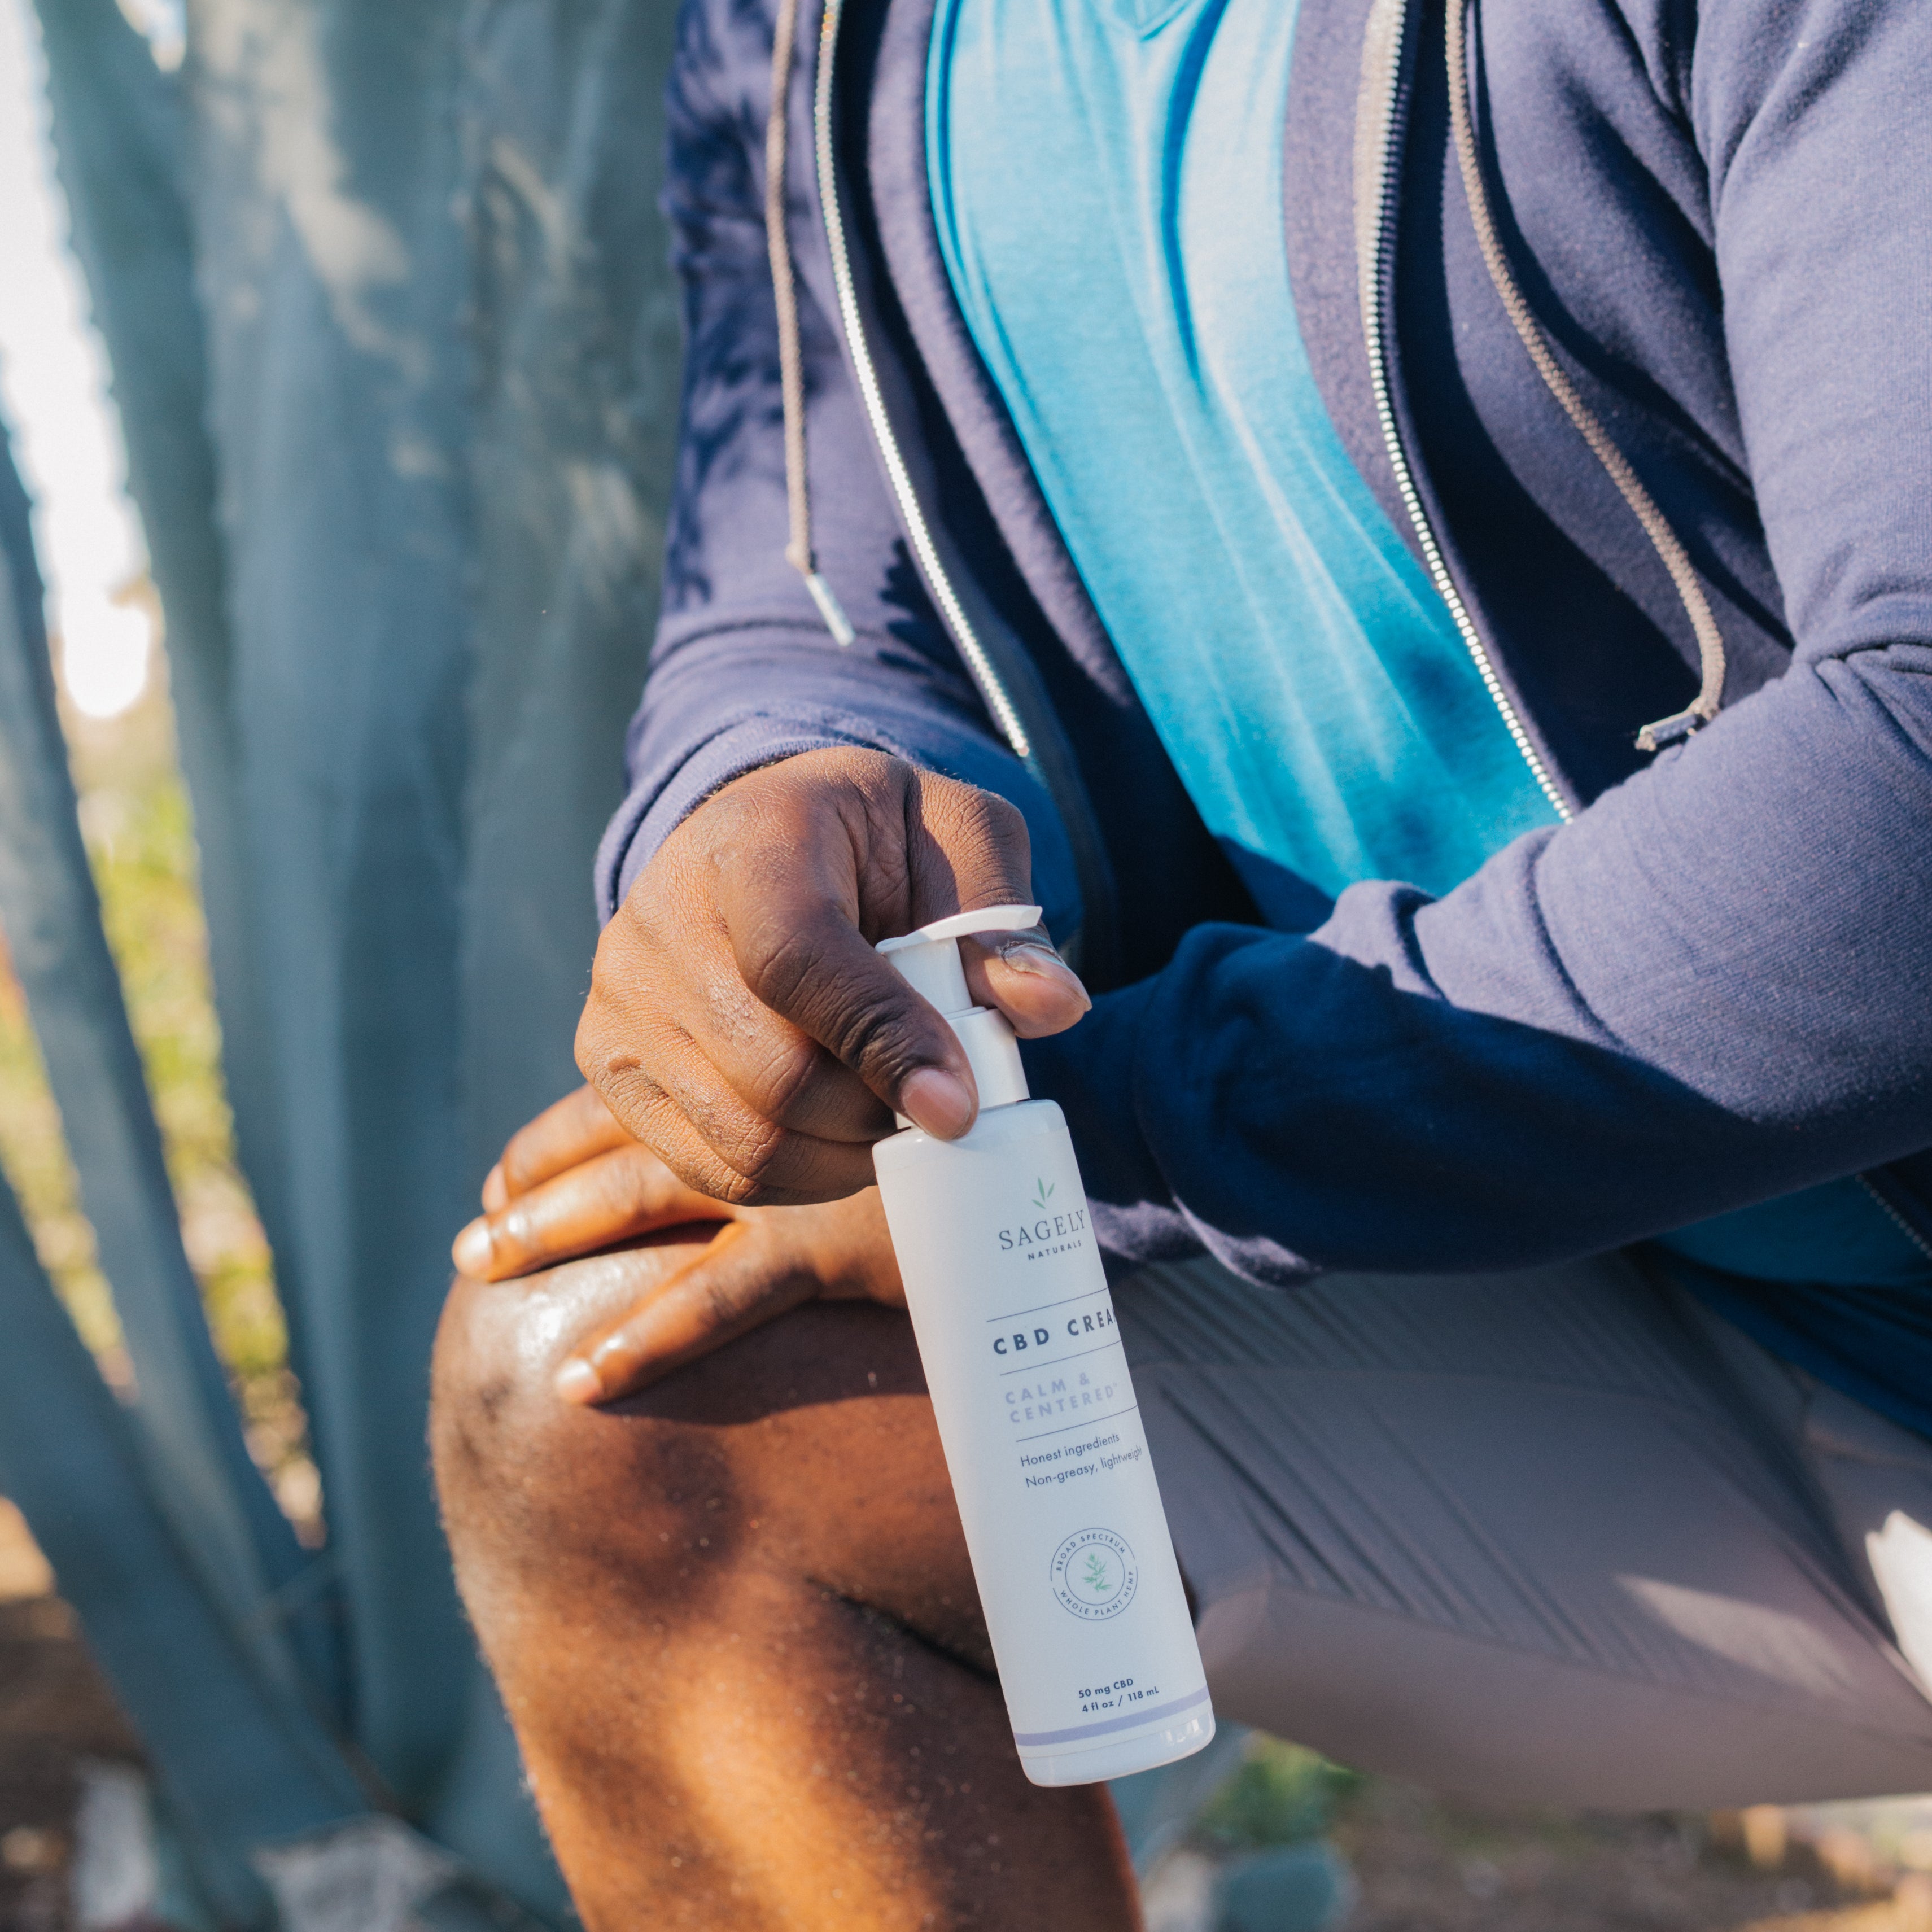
1713, 983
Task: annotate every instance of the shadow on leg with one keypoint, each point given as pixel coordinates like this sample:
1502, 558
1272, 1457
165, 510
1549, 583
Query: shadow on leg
737, 1632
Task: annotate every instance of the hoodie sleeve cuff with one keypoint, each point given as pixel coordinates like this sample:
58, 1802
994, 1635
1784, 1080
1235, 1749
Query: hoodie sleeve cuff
1090, 1070
654, 809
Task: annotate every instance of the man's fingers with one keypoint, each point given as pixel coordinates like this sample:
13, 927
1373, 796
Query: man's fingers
748, 1163
964, 847
776, 1069
1023, 975
812, 966
736, 1284
561, 1136
626, 1191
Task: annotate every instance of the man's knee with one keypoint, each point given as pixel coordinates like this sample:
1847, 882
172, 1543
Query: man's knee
497, 1434
540, 1493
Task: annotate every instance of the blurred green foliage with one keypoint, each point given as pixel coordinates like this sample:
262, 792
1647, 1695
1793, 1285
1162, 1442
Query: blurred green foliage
1281, 1795
138, 828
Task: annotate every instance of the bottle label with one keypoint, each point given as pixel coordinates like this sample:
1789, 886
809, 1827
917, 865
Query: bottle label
1043, 1434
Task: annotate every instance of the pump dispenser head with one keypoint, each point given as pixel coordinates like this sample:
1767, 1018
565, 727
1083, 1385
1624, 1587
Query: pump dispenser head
928, 961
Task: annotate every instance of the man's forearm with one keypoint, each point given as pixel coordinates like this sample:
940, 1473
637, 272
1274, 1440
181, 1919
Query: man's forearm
1713, 986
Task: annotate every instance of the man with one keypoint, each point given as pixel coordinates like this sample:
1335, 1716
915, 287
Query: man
1193, 462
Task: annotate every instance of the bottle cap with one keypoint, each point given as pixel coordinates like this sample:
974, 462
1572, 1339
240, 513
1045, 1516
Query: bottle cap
928, 961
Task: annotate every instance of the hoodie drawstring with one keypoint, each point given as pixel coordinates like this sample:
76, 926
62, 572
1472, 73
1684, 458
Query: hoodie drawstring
791, 367
1663, 539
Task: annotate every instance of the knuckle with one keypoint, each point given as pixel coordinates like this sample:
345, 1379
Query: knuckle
656, 930
726, 1184
754, 1150
611, 963
779, 1085
632, 1093
692, 1154
595, 1060
997, 824
1001, 818
871, 1029
778, 961
830, 1000
705, 1174
514, 1235
730, 1293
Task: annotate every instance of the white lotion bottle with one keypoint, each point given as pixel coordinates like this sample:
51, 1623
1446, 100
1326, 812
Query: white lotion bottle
1049, 1462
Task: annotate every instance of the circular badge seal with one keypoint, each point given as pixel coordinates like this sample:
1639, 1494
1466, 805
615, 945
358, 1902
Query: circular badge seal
1094, 1574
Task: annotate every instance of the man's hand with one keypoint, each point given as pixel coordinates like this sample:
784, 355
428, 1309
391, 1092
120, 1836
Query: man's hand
573, 1183
739, 1022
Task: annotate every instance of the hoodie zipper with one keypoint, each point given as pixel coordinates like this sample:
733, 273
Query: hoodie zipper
1897, 1219
1388, 161
992, 688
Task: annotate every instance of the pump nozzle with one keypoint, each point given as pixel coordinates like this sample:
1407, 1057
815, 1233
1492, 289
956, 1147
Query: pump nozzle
928, 961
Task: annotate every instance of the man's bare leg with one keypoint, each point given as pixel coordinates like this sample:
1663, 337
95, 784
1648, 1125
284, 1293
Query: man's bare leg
737, 1632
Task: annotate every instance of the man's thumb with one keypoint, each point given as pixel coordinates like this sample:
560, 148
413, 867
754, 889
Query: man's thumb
830, 983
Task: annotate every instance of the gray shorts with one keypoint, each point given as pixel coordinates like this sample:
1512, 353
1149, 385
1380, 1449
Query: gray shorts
1558, 1536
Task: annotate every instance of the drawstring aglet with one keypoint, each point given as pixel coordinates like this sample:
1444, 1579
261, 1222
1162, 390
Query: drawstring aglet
836, 622
1673, 730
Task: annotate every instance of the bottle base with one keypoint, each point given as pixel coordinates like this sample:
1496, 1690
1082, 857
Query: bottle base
1121, 1757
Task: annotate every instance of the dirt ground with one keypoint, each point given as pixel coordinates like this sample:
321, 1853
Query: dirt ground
56, 1714
1425, 1865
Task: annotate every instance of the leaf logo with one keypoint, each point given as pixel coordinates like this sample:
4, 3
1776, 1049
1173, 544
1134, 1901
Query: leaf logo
1094, 1575
1043, 1193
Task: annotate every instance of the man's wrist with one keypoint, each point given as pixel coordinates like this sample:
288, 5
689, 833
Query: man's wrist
650, 815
